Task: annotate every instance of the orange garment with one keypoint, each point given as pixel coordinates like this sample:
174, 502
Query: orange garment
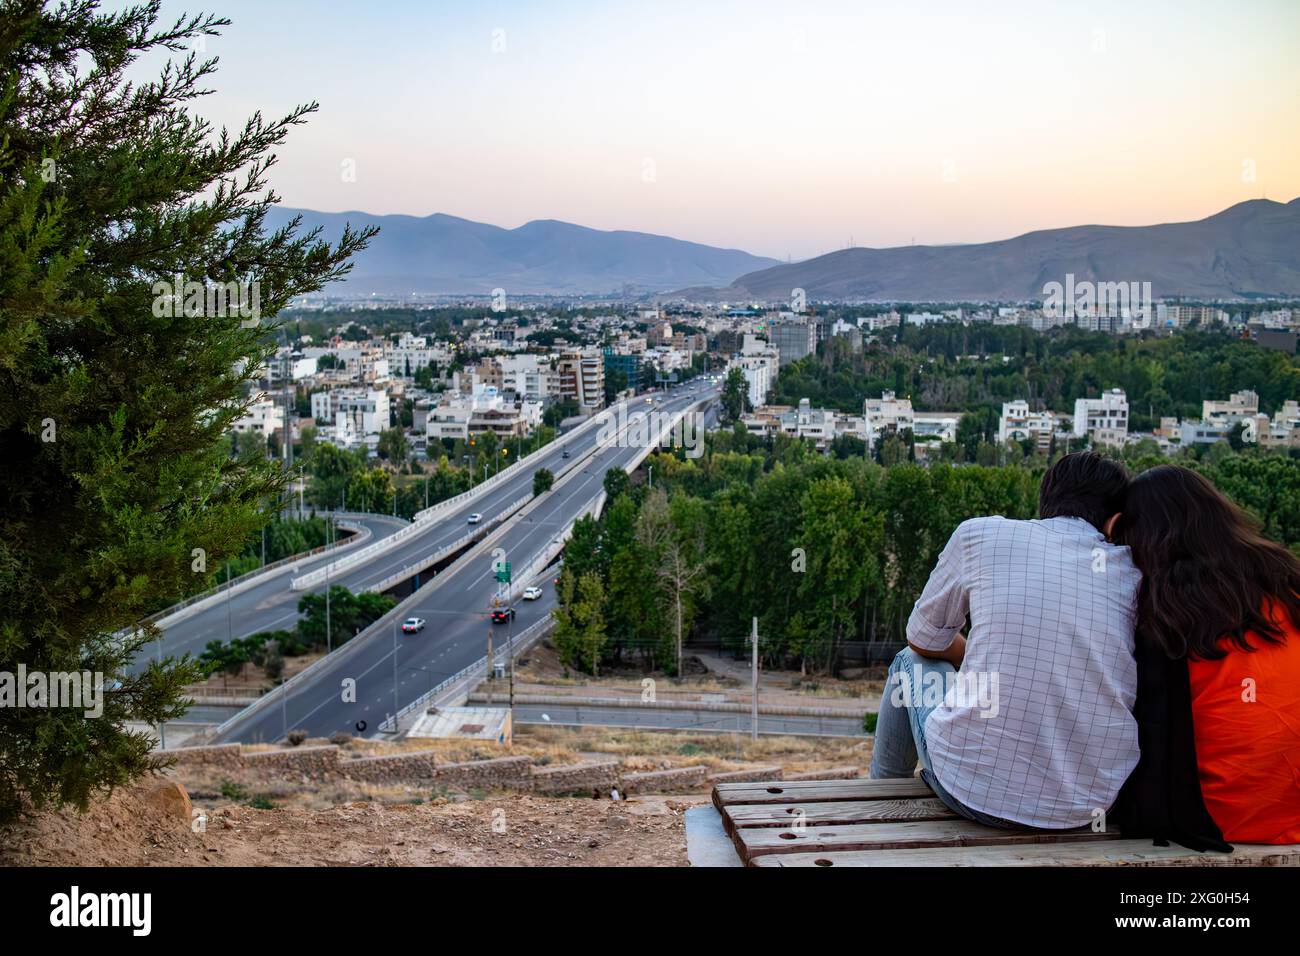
1248, 751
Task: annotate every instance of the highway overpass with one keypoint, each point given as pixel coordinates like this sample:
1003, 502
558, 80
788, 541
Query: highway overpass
395, 550
376, 674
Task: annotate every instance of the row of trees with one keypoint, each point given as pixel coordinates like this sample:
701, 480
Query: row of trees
825, 552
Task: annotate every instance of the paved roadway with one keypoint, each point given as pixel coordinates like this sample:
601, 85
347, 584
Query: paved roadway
665, 718
273, 605
268, 605
391, 670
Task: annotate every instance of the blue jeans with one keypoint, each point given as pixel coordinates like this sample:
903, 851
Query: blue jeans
900, 734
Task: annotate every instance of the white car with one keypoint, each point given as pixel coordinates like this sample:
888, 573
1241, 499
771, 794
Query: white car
475, 518
413, 625
532, 593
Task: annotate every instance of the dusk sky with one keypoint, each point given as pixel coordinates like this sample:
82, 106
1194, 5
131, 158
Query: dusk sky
779, 128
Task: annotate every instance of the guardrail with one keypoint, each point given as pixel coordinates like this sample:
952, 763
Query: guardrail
518, 642
359, 533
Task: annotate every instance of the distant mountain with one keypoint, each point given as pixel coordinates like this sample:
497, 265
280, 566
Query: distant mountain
1250, 249
444, 254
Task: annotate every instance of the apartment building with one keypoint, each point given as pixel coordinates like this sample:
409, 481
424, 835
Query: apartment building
264, 417
1104, 419
793, 339
1018, 423
582, 378
351, 411
887, 414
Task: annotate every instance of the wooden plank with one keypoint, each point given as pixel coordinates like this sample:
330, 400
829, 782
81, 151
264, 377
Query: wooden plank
1105, 853
837, 812
752, 842
820, 791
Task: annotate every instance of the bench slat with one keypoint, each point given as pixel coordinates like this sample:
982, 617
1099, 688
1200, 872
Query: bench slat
1103, 853
756, 841
838, 812
803, 791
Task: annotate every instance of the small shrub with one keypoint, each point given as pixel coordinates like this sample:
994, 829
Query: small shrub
233, 791
869, 722
296, 737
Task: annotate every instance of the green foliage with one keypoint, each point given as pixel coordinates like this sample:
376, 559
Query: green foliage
579, 633
392, 445
348, 614
735, 395
112, 410
976, 368
542, 481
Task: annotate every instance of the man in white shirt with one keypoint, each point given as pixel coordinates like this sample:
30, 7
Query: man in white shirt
1028, 720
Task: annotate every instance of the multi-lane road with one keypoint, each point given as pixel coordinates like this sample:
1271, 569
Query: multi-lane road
354, 690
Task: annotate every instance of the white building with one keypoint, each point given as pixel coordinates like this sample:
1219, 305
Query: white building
940, 425
1243, 404
1019, 423
265, 417
352, 413
1104, 419
887, 414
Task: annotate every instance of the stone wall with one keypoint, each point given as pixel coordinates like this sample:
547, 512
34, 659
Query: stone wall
673, 780
753, 775
316, 761
833, 773
503, 773
577, 778
219, 755
392, 768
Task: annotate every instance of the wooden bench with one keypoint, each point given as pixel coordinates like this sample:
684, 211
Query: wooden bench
902, 823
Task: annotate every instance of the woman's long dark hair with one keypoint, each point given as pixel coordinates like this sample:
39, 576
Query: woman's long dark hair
1207, 572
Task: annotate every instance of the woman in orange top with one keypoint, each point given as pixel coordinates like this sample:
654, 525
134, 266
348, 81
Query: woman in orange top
1217, 593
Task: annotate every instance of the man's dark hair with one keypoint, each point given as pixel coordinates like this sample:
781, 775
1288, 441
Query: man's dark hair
1083, 485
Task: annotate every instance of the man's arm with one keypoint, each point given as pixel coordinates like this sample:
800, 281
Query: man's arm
934, 628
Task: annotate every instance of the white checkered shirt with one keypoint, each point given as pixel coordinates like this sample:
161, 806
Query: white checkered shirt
1052, 609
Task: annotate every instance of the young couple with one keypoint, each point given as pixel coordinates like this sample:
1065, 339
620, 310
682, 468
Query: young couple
1144, 644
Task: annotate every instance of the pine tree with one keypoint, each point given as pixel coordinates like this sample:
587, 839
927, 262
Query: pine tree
115, 385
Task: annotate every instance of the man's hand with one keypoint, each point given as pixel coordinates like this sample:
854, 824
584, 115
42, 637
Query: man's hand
954, 653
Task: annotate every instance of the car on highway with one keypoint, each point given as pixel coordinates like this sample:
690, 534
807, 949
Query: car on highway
565, 453
502, 614
532, 593
475, 518
413, 625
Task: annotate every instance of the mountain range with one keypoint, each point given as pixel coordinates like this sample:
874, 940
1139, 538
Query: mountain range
446, 254
1251, 249
1248, 250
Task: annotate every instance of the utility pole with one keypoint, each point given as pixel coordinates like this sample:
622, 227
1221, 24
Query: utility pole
396, 708
491, 671
230, 628
329, 560
753, 715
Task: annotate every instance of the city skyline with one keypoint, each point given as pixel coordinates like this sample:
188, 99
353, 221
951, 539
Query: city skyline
786, 135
